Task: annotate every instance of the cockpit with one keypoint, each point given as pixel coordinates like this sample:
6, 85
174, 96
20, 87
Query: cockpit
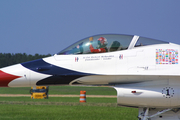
108, 43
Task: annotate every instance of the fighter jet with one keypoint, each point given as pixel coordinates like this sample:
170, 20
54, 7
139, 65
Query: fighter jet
145, 72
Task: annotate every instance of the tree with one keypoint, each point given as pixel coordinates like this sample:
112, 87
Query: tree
7, 59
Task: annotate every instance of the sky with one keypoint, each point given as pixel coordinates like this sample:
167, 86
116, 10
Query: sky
48, 26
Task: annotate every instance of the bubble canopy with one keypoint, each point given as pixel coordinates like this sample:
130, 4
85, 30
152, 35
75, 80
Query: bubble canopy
106, 43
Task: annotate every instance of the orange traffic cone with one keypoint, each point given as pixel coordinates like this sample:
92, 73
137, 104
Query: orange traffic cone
82, 96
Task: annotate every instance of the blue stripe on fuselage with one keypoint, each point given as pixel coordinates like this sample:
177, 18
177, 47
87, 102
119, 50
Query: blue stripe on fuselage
60, 76
41, 66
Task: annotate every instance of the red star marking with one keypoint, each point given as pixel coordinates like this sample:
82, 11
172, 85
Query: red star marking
5, 78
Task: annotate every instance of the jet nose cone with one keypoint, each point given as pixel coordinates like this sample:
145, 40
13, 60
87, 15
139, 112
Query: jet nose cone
5, 78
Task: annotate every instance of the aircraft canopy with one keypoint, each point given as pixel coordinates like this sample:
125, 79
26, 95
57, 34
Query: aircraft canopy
107, 43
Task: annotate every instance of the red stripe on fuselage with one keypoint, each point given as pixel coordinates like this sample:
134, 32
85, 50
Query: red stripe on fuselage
5, 78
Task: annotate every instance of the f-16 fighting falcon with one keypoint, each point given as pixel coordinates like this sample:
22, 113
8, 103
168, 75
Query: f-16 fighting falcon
145, 72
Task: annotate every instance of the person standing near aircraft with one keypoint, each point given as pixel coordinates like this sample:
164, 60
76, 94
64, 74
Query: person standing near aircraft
102, 43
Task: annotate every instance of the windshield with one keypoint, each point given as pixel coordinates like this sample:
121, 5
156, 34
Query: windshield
38, 90
142, 41
99, 44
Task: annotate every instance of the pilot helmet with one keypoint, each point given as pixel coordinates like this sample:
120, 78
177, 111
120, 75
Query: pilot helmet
102, 41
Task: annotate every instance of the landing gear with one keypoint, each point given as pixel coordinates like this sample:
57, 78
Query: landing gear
151, 114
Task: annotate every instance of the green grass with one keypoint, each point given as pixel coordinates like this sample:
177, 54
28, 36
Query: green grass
59, 99
64, 112
58, 108
64, 108
63, 90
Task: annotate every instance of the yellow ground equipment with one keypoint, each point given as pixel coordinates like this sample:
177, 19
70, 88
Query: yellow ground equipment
39, 92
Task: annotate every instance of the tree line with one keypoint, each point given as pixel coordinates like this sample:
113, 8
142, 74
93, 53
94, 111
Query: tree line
7, 59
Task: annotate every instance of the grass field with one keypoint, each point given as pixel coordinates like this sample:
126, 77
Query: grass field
64, 90
63, 108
